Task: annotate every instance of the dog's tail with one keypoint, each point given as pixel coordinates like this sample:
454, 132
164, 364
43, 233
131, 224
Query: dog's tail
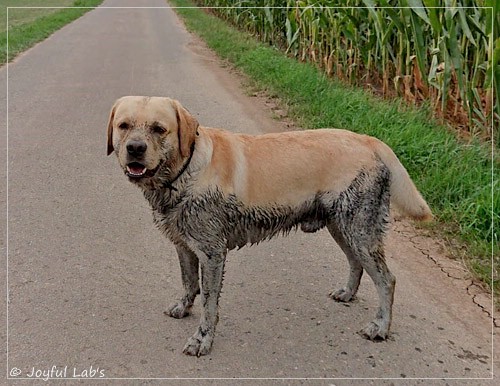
404, 195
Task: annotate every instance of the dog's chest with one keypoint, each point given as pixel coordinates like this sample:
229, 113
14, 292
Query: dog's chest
165, 222
165, 208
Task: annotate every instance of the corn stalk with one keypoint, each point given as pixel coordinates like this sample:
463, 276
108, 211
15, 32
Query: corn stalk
445, 52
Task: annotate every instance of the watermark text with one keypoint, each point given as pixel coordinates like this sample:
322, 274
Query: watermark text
54, 372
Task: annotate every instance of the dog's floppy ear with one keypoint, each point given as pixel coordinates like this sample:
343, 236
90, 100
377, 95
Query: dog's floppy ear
110, 128
187, 127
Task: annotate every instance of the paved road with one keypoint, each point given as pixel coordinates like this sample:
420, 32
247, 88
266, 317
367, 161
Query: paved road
89, 275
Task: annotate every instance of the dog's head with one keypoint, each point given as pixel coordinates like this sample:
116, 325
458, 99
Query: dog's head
150, 135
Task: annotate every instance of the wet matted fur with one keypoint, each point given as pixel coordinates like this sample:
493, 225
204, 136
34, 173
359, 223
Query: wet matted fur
212, 191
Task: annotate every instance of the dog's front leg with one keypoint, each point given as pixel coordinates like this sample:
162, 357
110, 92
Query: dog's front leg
190, 281
212, 272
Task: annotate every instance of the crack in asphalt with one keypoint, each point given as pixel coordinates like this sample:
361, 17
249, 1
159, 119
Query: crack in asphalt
411, 237
496, 322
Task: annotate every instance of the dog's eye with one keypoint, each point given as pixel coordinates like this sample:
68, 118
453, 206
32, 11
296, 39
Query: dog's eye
123, 126
158, 129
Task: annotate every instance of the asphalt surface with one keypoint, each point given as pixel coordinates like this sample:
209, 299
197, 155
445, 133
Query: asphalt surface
89, 276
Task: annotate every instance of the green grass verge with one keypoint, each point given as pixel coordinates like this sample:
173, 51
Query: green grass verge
24, 16
30, 26
455, 177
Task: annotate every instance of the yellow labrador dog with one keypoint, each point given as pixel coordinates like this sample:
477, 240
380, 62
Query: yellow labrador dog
212, 191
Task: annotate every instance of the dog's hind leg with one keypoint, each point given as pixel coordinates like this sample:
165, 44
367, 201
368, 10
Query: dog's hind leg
190, 281
212, 272
347, 293
373, 262
360, 217
367, 254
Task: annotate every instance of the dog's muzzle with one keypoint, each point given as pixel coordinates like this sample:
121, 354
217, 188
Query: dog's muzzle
135, 169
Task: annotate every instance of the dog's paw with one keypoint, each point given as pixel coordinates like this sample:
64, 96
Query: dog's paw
342, 295
178, 310
199, 344
376, 330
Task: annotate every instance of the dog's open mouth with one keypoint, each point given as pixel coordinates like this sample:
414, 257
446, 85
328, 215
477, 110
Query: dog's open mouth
138, 170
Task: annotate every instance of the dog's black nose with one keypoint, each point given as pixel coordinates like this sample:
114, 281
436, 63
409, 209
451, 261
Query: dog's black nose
136, 148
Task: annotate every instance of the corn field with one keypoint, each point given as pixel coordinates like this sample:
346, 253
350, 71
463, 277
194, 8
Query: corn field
445, 53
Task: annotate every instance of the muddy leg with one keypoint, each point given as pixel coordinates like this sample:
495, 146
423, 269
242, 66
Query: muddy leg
190, 281
212, 272
347, 293
385, 283
360, 216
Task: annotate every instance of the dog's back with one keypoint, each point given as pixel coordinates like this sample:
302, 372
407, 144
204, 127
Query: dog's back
286, 169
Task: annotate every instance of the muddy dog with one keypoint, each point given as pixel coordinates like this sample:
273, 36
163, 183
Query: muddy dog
212, 191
